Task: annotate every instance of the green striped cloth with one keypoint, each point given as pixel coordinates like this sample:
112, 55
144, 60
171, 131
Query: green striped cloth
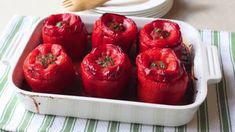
217, 113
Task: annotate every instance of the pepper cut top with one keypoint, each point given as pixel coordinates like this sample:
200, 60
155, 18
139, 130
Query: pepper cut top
62, 24
106, 62
162, 34
160, 64
46, 59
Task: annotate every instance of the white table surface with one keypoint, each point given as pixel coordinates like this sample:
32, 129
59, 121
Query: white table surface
203, 14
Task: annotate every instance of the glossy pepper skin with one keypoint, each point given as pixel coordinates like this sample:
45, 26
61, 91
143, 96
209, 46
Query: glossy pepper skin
161, 77
67, 30
161, 34
48, 69
165, 34
114, 29
106, 72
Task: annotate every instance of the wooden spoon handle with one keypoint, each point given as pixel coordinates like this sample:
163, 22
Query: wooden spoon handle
80, 5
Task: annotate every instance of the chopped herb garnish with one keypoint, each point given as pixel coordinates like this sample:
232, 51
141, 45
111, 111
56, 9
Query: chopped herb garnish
105, 61
159, 33
157, 30
162, 65
116, 26
167, 34
46, 60
59, 24
158, 64
152, 65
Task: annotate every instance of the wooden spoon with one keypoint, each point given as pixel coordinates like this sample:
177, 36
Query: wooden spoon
80, 5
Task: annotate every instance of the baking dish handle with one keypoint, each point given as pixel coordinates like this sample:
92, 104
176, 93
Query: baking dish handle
214, 65
14, 49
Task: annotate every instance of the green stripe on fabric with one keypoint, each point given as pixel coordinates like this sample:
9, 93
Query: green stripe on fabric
13, 30
20, 30
225, 114
10, 108
91, 125
4, 74
69, 124
203, 123
135, 127
8, 111
220, 105
18, 27
11, 36
1, 130
180, 129
12, 103
4, 80
27, 118
217, 94
113, 126
225, 123
47, 122
232, 45
109, 126
232, 52
2, 87
87, 123
215, 42
203, 117
158, 128
6, 44
10, 27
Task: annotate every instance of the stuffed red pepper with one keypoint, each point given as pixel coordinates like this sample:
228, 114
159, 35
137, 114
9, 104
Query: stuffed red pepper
161, 77
106, 72
161, 34
165, 34
67, 30
48, 69
115, 29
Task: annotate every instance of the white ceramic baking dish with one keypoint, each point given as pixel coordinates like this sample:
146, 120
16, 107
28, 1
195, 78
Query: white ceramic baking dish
206, 69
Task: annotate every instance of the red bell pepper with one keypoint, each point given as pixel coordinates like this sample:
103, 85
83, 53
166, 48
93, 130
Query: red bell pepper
161, 34
165, 34
48, 69
161, 77
106, 72
115, 29
67, 30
